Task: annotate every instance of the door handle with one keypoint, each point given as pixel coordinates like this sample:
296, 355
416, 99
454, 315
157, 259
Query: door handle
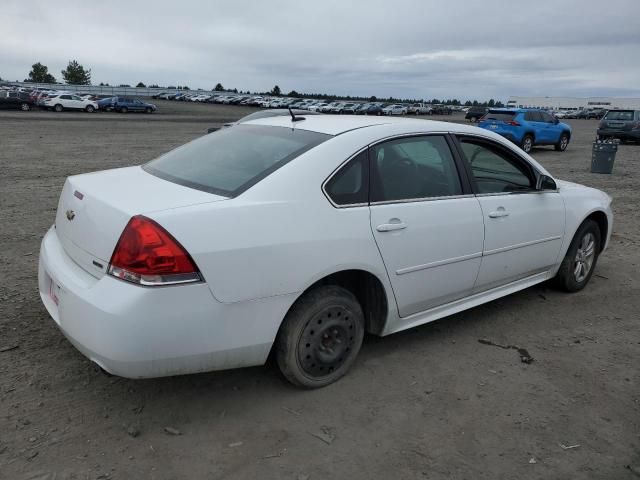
390, 227
500, 212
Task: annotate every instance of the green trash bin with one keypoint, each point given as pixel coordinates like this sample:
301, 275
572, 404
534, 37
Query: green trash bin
603, 155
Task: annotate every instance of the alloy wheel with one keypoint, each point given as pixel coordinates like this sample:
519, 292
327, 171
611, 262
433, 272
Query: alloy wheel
583, 260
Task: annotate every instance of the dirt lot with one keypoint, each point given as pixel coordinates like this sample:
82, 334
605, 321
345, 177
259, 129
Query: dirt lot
431, 403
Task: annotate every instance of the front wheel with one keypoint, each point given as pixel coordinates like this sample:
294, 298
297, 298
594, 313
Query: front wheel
89, 109
25, 107
580, 261
124, 110
320, 337
472, 119
147, 110
527, 143
563, 143
58, 108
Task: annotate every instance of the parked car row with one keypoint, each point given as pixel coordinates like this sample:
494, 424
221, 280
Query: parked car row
309, 104
56, 100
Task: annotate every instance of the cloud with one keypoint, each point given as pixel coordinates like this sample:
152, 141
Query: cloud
408, 48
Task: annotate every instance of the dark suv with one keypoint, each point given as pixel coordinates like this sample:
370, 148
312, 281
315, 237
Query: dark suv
621, 124
476, 113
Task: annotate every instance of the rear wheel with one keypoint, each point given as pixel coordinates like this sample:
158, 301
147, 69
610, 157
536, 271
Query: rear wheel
124, 110
320, 337
473, 119
563, 143
89, 109
58, 107
147, 110
527, 143
25, 107
580, 261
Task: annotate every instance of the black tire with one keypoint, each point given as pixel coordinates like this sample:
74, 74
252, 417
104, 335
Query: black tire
89, 109
148, 110
58, 108
563, 142
25, 107
320, 337
124, 110
527, 143
567, 278
472, 119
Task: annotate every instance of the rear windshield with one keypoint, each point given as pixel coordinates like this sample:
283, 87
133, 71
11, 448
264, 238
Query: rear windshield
500, 116
619, 115
231, 160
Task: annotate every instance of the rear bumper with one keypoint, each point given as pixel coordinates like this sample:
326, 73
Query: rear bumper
621, 134
141, 332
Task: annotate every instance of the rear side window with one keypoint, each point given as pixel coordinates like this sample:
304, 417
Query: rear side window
619, 115
350, 185
413, 168
231, 160
533, 117
500, 116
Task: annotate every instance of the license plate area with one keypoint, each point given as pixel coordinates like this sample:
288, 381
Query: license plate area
54, 292
51, 293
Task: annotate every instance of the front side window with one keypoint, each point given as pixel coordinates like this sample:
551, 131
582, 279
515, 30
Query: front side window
494, 170
65, 97
231, 160
413, 168
350, 185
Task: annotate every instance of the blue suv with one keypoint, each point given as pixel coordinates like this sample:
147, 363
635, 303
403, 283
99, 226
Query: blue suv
527, 127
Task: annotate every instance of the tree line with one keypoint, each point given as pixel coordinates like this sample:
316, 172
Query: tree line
77, 74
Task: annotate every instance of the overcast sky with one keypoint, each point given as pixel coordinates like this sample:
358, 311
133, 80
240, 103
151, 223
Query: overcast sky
406, 48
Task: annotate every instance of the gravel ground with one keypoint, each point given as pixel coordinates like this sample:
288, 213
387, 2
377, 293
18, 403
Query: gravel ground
431, 403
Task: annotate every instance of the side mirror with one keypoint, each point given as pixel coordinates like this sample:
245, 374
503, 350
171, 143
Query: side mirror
545, 182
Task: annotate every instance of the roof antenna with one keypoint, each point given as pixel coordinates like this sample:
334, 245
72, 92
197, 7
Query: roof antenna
293, 116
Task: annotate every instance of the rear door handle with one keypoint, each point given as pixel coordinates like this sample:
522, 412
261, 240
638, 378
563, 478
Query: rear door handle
390, 227
500, 212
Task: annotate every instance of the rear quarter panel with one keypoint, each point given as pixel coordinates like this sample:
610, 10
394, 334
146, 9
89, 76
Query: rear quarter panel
280, 236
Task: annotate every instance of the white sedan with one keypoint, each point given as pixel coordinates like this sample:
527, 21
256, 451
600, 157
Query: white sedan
300, 235
67, 101
395, 110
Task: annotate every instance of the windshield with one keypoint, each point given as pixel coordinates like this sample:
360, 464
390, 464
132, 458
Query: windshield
231, 160
619, 115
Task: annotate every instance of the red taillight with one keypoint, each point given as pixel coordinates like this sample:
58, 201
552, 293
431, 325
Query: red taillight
148, 255
513, 123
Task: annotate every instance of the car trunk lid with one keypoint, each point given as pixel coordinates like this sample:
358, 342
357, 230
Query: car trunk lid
94, 208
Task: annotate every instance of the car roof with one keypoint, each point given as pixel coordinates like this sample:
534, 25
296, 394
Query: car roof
336, 125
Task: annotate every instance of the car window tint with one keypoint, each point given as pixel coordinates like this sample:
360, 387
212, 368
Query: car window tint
231, 160
547, 118
495, 171
411, 168
619, 115
500, 116
65, 97
350, 185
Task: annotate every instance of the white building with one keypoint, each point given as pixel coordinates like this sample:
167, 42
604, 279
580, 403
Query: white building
573, 103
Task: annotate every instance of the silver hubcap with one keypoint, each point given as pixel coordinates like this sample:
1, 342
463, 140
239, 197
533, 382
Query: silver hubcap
527, 144
584, 257
564, 142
